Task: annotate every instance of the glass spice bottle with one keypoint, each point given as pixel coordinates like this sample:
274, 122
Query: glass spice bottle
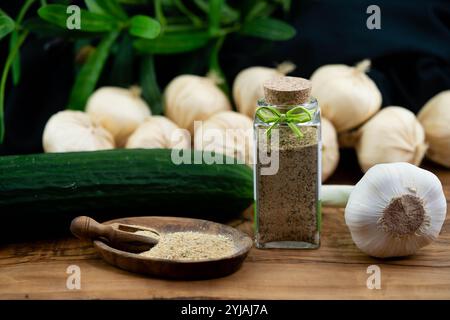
287, 170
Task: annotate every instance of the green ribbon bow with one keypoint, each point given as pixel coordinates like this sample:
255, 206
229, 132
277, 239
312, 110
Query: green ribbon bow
294, 116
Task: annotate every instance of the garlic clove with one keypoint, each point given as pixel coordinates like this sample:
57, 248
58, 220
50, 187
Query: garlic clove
228, 133
435, 118
72, 131
158, 132
395, 209
346, 95
248, 85
330, 149
190, 98
392, 135
119, 110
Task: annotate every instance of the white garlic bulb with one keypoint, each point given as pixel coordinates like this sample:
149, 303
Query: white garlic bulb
158, 132
228, 133
395, 209
190, 98
392, 135
248, 85
72, 131
330, 149
346, 95
119, 110
435, 118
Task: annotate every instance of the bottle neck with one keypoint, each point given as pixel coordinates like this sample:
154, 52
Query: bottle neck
311, 105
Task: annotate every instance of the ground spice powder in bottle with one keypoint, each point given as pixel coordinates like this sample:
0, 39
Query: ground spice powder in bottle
287, 130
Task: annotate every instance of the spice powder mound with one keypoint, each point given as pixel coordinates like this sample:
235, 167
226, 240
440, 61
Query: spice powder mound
190, 246
287, 201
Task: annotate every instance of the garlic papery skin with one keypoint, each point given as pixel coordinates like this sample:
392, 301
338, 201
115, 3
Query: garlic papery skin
119, 110
435, 118
330, 149
346, 95
229, 133
72, 131
158, 132
395, 209
248, 85
190, 98
392, 135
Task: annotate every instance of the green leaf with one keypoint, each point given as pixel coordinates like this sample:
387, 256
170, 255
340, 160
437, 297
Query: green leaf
14, 38
94, 7
7, 25
16, 63
268, 28
260, 9
158, 7
122, 69
227, 13
149, 85
171, 43
46, 29
133, 1
90, 73
215, 8
144, 27
180, 27
9, 60
286, 4
188, 13
90, 22
107, 7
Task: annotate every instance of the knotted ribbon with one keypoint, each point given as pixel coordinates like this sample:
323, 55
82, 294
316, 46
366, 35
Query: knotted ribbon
296, 115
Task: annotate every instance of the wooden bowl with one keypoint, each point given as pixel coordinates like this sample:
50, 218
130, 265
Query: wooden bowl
178, 269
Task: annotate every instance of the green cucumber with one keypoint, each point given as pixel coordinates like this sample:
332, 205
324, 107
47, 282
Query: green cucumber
119, 183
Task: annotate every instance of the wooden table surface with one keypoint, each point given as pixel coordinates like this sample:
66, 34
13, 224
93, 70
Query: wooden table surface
338, 270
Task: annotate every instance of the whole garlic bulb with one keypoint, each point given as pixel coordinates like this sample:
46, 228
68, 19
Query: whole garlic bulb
435, 118
392, 135
119, 110
346, 95
72, 131
228, 133
330, 149
248, 85
190, 98
158, 132
395, 209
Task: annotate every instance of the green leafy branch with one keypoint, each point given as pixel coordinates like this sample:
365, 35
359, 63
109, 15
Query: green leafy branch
166, 27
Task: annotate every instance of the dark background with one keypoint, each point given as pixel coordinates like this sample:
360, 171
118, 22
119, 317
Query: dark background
410, 58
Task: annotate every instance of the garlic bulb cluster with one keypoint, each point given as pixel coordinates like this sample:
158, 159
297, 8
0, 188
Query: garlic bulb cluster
158, 132
228, 133
395, 209
72, 131
392, 135
119, 110
248, 85
435, 118
330, 149
346, 95
190, 98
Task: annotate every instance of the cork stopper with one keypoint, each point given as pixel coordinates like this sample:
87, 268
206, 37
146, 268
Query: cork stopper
287, 90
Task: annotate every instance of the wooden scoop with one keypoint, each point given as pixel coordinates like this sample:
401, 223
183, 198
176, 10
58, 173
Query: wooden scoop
117, 235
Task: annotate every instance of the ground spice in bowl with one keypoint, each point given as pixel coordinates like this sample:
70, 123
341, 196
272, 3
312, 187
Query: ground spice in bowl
190, 246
